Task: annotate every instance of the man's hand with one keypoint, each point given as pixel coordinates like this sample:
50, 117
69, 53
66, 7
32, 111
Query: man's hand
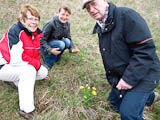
122, 85
55, 51
75, 51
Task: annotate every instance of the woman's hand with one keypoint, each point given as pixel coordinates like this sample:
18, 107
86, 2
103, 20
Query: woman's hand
55, 51
75, 51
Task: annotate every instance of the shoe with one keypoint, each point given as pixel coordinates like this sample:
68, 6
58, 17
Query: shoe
26, 116
157, 97
58, 59
11, 84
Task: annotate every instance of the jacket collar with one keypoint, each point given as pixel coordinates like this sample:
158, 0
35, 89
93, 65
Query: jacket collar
109, 23
22, 27
58, 23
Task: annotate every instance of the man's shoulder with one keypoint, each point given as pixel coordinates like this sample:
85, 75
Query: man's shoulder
124, 10
48, 24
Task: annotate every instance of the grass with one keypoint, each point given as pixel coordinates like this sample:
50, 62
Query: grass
58, 98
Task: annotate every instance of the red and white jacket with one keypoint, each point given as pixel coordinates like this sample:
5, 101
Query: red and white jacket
20, 46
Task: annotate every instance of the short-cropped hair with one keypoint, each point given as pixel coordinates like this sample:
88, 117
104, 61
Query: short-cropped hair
65, 8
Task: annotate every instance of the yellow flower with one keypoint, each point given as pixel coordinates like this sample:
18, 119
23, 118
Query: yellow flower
81, 87
86, 85
85, 97
88, 88
94, 92
93, 88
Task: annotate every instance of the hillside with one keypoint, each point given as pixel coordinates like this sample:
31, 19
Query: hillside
59, 98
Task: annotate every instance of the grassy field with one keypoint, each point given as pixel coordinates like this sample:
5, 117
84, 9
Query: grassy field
59, 98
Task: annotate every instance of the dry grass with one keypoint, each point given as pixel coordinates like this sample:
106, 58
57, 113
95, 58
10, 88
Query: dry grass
58, 97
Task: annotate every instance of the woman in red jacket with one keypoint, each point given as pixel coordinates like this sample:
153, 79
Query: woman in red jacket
20, 59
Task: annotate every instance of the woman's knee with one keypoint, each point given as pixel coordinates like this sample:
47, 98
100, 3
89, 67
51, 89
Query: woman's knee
61, 45
42, 72
57, 44
67, 42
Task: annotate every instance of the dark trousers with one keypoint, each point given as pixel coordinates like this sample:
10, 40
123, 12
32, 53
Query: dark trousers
131, 104
62, 44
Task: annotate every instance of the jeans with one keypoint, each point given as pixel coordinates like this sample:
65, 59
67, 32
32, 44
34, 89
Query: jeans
132, 104
62, 44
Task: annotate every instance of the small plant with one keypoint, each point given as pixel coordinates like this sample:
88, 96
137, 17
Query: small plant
88, 94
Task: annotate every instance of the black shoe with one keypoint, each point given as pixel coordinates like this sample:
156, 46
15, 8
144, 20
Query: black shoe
27, 116
58, 59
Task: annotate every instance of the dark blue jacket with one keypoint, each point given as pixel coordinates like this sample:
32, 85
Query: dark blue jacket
128, 50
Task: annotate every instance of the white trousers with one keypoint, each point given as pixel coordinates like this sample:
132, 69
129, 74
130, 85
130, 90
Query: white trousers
24, 77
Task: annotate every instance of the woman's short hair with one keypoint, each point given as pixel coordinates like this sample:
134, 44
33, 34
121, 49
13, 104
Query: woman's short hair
66, 9
25, 9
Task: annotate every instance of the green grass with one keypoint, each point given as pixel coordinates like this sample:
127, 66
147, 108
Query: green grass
58, 98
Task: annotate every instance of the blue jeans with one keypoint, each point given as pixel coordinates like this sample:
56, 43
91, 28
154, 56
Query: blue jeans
132, 104
62, 44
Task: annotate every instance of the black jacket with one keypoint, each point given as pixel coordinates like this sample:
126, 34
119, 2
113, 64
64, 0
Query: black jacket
127, 49
53, 29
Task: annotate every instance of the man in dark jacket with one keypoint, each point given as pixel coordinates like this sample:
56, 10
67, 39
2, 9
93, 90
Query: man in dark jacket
129, 57
57, 37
